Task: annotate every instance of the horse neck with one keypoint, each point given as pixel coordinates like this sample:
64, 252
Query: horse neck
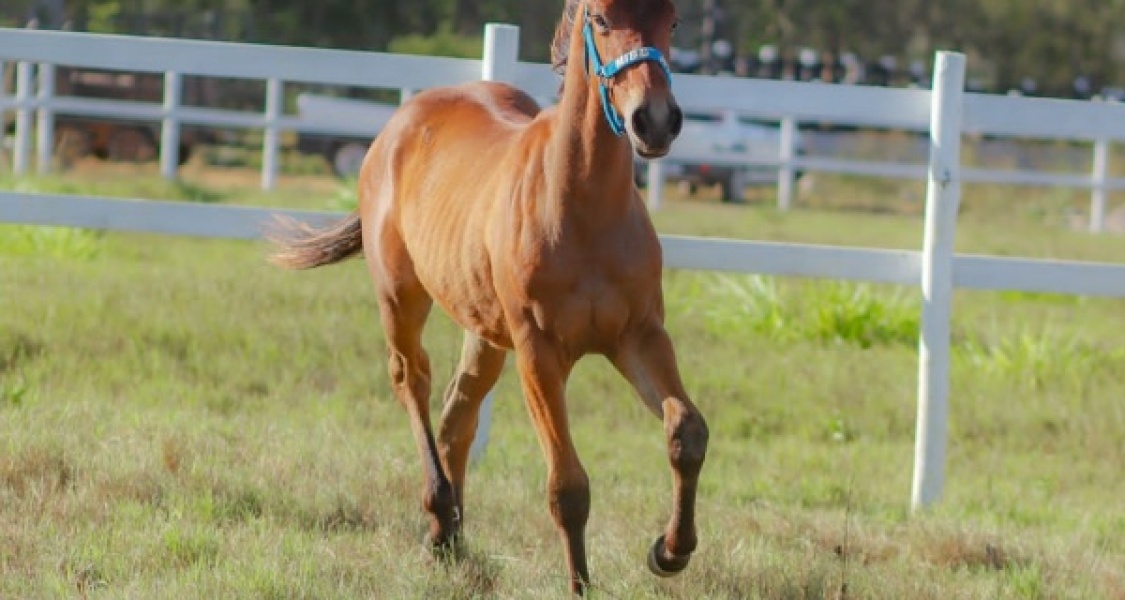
589, 163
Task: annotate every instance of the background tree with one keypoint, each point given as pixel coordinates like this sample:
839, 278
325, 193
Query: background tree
1053, 41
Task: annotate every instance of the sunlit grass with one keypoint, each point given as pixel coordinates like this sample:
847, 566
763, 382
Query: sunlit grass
180, 419
826, 312
58, 242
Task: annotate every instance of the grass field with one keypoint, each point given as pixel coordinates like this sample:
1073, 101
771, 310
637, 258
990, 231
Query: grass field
178, 419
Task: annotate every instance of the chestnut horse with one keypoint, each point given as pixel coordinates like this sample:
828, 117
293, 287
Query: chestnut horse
526, 227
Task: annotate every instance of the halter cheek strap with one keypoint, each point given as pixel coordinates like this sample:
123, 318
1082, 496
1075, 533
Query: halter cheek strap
606, 72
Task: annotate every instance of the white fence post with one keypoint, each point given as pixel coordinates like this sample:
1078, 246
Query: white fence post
786, 173
21, 154
170, 125
942, 200
1100, 176
498, 63
45, 134
501, 52
271, 138
656, 182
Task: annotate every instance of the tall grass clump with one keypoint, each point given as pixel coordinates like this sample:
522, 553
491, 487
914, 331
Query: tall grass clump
839, 313
55, 242
856, 314
752, 304
1038, 358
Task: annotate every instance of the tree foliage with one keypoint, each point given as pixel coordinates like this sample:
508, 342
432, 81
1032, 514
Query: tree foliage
1007, 40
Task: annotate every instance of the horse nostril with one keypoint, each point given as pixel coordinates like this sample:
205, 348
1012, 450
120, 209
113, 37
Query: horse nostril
677, 121
640, 122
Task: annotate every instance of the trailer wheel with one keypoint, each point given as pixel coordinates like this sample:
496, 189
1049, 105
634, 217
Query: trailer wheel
347, 158
131, 144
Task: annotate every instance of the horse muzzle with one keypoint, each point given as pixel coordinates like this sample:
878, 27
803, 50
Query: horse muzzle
653, 125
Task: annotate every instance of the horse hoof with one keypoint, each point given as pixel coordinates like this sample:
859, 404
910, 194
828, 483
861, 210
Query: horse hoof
443, 549
665, 567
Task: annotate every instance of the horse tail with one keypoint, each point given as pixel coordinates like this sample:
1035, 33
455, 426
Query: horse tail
299, 246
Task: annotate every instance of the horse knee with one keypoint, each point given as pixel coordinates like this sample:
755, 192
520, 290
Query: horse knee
687, 443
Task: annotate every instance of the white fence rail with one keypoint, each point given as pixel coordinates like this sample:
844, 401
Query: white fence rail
177, 58
946, 114
791, 103
903, 267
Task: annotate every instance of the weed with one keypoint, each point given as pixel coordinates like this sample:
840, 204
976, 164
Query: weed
186, 546
855, 314
1027, 581
837, 313
54, 242
13, 393
1037, 358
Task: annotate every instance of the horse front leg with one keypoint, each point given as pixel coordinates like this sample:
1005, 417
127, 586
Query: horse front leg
648, 361
543, 372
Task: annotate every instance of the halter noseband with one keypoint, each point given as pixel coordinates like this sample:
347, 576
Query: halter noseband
606, 72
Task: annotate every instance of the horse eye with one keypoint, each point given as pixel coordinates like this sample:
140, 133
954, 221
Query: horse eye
675, 25
601, 22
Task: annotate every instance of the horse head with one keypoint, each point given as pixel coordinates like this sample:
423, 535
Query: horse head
626, 42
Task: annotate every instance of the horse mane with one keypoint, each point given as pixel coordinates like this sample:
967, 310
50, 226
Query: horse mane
560, 45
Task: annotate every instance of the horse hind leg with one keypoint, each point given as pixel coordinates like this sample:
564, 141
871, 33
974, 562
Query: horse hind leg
480, 367
404, 306
649, 363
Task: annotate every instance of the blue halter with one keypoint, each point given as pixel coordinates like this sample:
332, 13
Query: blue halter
606, 72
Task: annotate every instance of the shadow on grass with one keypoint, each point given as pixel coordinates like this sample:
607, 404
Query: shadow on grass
717, 580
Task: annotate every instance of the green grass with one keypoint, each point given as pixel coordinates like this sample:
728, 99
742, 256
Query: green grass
180, 420
59, 242
121, 180
827, 312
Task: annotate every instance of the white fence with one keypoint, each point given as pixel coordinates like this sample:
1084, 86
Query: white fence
863, 106
946, 113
